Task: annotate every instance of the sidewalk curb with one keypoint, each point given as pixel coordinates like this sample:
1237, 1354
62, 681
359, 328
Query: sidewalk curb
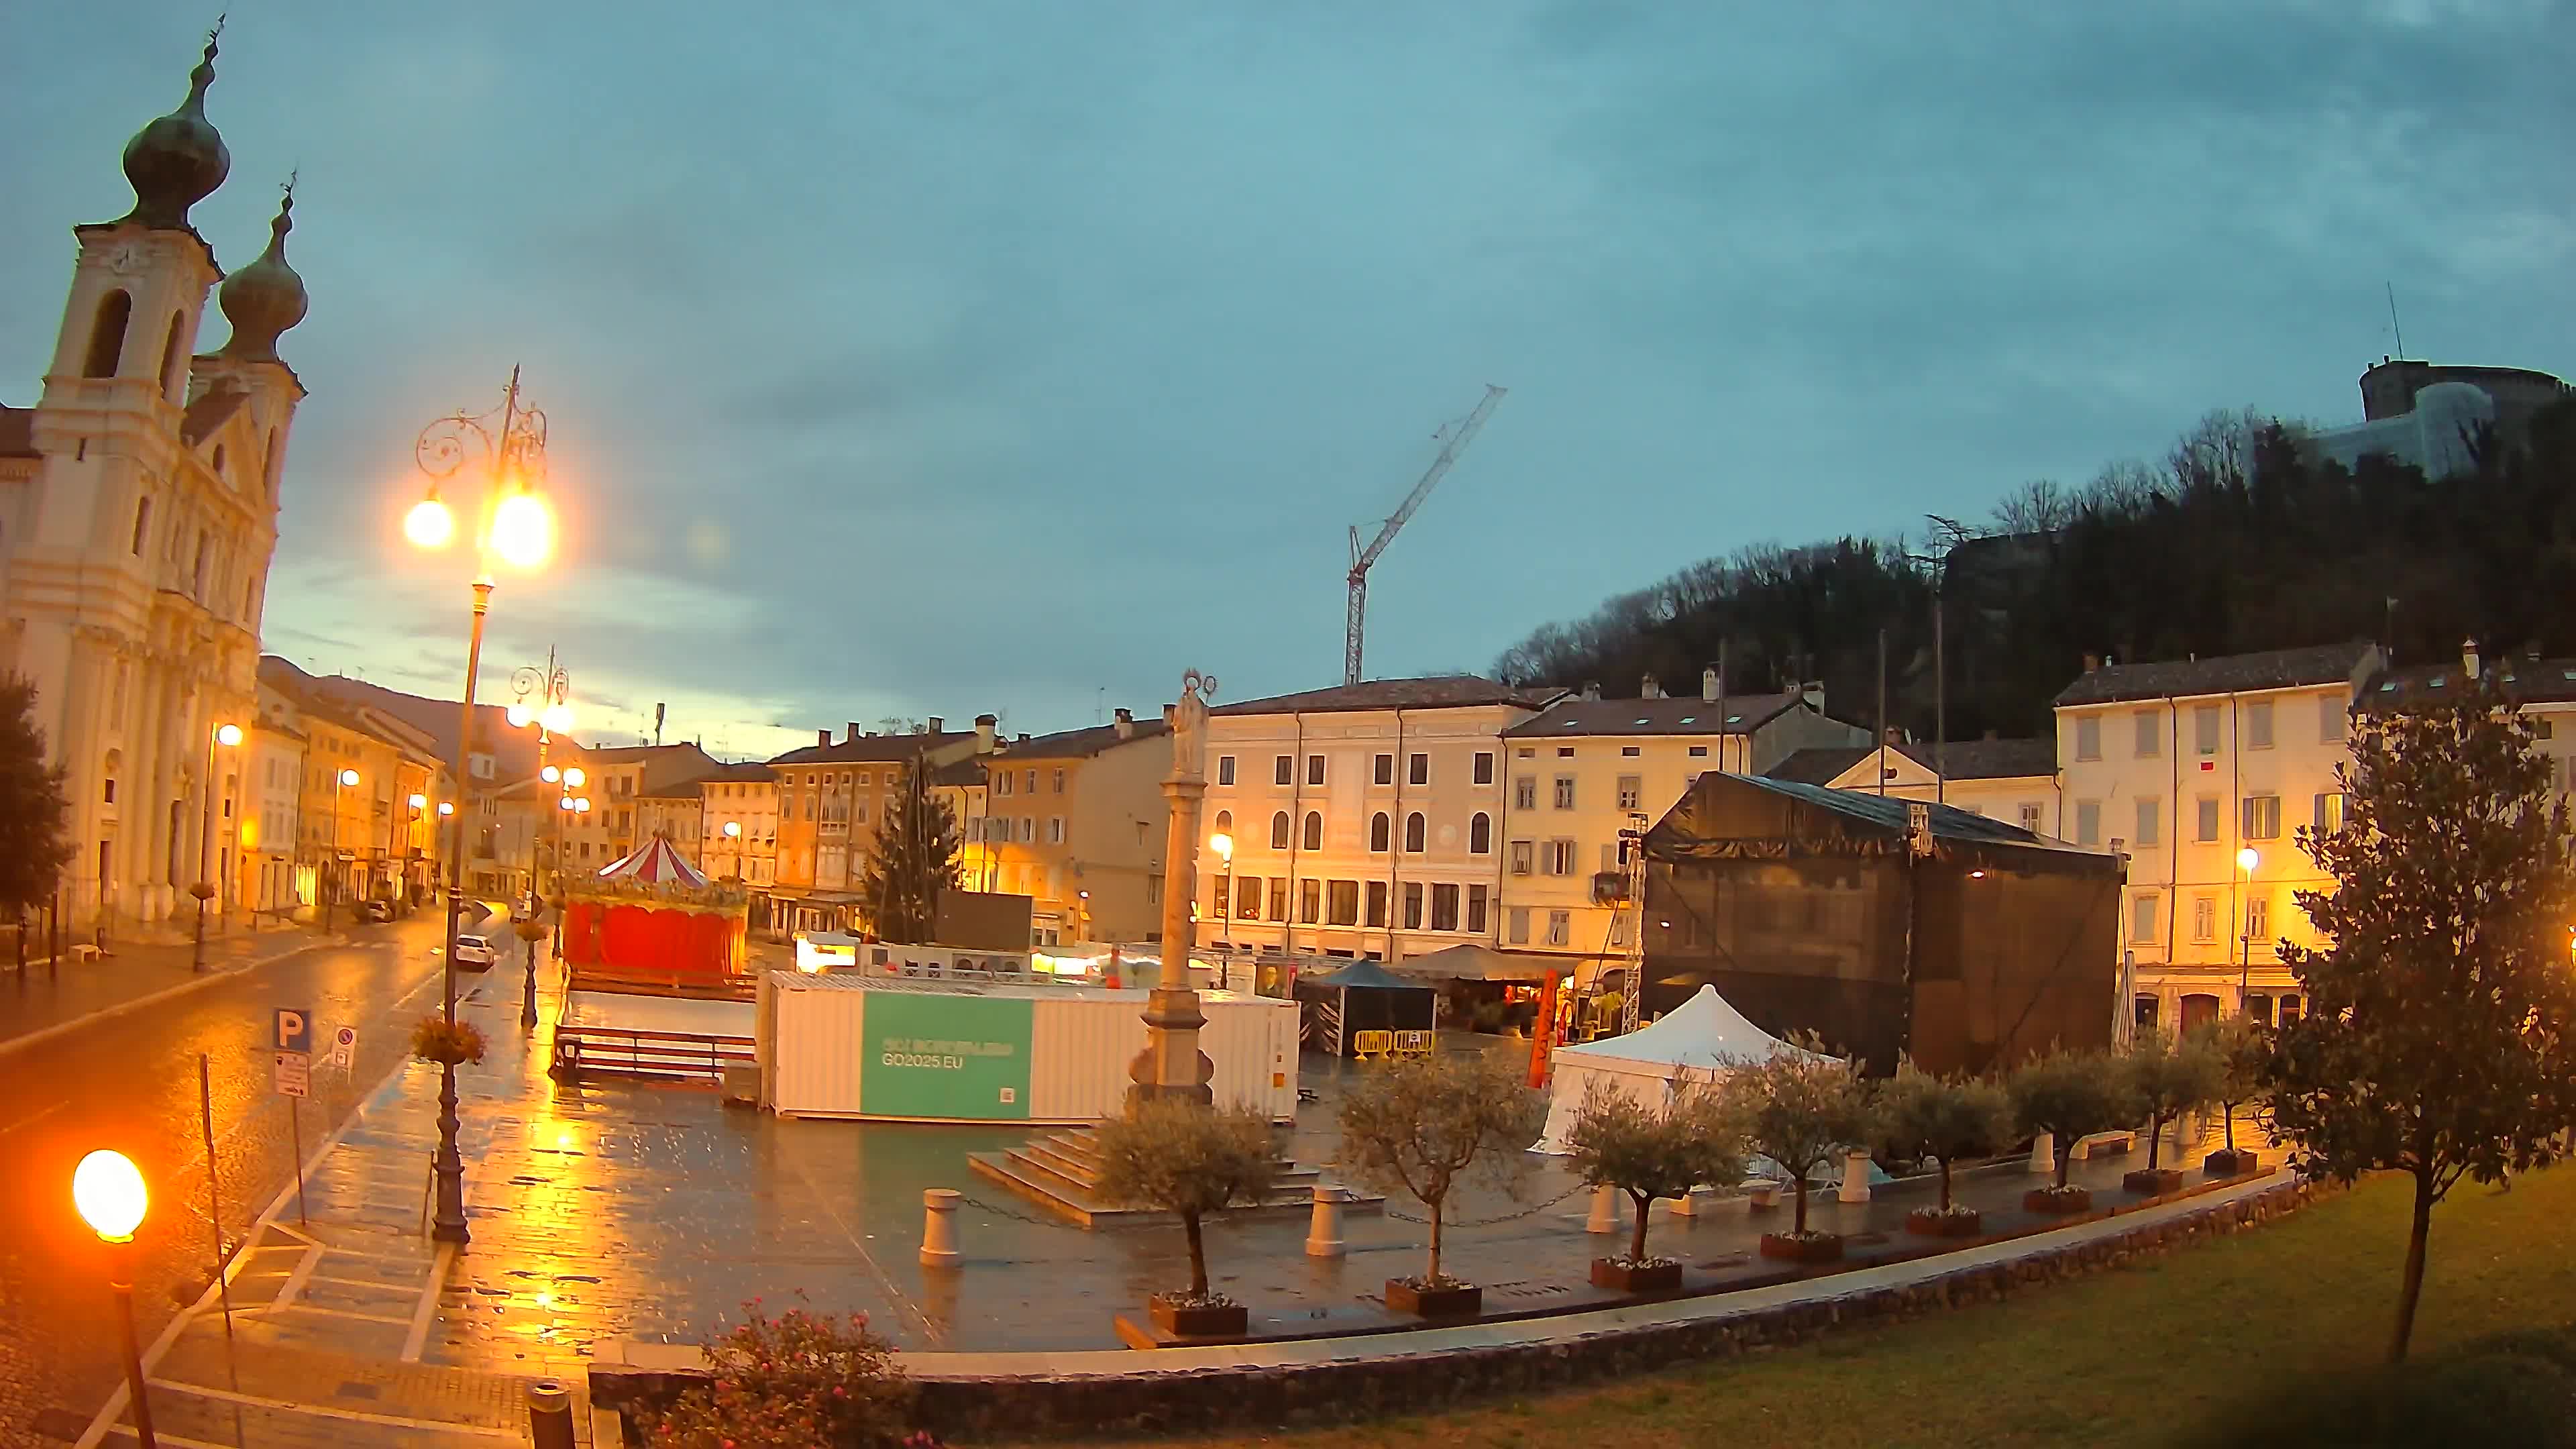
104, 1013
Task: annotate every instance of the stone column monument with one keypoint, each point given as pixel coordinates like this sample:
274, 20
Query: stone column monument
1171, 1065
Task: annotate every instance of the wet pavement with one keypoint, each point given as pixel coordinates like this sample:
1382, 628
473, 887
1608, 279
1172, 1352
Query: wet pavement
129, 1080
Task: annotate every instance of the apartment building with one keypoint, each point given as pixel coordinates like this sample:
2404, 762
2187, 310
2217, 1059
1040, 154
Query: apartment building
1075, 821
831, 799
1579, 771
1367, 819
2014, 781
2202, 770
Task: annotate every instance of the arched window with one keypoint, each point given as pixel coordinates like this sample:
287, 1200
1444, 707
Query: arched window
1314, 831
1279, 831
1225, 822
142, 524
1379, 831
268, 464
198, 575
107, 777
173, 384
1413, 832
107, 334
219, 461
1480, 834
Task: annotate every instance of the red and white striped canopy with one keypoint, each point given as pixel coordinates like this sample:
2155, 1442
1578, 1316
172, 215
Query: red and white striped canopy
654, 863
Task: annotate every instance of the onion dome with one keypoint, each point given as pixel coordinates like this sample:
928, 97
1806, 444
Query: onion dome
177, 160
265, 298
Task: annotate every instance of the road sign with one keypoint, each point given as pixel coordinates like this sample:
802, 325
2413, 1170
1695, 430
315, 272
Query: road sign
294, 1074
344, 1047
294, 1031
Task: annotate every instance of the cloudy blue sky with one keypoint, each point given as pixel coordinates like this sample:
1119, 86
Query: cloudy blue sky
912, 359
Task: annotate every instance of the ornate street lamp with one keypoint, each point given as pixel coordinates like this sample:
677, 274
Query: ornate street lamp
109, 1195
227, 736
543, 699
516, 527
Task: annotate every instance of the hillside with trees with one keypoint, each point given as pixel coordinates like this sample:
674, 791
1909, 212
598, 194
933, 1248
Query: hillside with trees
2236, 540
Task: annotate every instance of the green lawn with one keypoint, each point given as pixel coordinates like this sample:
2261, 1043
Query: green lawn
2127, 1357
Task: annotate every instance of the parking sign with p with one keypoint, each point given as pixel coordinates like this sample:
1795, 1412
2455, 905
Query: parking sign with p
294, 1030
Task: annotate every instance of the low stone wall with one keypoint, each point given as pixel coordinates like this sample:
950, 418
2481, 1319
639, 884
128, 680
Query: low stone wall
1402, 1381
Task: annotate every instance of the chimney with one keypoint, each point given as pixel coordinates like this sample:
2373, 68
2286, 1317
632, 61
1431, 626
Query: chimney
985, 725
2469, 657
853, 728
1021, 740
1708, 685
1592, 689
2092, 662
1647, 688
822, 737
1126, 724
938, 725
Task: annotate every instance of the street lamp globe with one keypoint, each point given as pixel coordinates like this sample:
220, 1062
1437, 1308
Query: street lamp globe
563, 802
446, 807
108, 1192
733, 830
574, 778
228, 735
518, 715
420, 802
1222, 844
523, 530
429, 524
348, 777
581, 803
2246, 860
557, 718
550, 774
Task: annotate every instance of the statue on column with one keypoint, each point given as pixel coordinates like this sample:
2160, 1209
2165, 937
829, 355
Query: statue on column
1189, 726
1171, 1065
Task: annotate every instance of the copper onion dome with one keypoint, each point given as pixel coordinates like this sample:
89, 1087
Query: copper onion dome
265, 298
178, 160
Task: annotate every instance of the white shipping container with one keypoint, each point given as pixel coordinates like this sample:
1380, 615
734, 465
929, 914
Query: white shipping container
815, 1046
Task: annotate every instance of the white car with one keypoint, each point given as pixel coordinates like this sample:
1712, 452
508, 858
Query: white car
475, 952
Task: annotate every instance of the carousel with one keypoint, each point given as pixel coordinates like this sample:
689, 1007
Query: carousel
652, 915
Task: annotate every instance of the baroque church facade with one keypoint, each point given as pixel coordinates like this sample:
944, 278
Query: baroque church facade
138, 519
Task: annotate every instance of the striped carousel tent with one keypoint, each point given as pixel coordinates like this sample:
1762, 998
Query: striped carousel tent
654, 862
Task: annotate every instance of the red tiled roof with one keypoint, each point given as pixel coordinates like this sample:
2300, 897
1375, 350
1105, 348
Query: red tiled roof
1448, 691
1691, 715
2222, 674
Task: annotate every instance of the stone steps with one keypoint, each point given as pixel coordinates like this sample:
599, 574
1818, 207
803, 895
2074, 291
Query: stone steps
1060, 1172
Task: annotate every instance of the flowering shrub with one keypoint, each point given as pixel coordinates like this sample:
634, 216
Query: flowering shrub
798, 1381
435, 1039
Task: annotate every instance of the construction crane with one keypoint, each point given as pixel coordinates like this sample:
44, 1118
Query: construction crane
1455, 436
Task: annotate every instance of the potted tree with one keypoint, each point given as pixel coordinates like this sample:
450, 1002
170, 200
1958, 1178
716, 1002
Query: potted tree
1187, 1160
1419, 1125
2244, 1052
2168, 1076
1918, 1115
1802, 1109
2070, 1096
1649, 1153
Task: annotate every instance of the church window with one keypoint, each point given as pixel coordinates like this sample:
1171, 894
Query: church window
219, 461
198, 576
142, 524
107, 334
171, 382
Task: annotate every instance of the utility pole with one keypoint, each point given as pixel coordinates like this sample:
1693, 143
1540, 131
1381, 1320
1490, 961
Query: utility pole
1882, 711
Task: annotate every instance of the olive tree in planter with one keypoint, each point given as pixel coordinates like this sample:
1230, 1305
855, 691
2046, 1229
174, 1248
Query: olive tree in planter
1802, 1109
1187, 1160
2169, 1077
2244, 1052
2070, 1096
1420, 1126
1916, 1115
1649, 1153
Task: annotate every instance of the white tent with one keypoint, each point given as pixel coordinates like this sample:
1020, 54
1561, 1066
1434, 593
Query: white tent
1700, 1038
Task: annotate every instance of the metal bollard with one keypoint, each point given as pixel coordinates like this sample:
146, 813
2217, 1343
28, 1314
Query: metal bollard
1324, 1229
939, 1227
2043, 1155
1605, 1211
549, 1415
1855, 1177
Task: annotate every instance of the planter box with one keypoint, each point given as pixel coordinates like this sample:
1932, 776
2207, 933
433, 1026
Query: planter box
2224, 1163
2049, 1200
1934, 1223
2153, 1182
1462, 1301
1657, 1278
1824, 1248
1222, 1320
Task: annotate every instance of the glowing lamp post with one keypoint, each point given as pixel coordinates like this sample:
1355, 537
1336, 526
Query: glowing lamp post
2246, 860
733, 841
517, 528
227, 736
1223, 845
108, 1193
